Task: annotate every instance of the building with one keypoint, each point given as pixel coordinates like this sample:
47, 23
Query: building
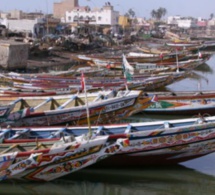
106, 16
37, 27
124, 21
60, 8
173, 20
4, 15
211, 22
182, 22
18, 14
201, 23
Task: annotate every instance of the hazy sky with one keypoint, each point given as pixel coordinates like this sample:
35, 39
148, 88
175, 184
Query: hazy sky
143, 8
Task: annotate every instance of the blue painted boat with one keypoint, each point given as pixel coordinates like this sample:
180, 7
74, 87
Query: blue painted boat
159, 142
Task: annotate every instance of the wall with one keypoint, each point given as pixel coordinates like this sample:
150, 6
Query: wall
13, 55
20, 25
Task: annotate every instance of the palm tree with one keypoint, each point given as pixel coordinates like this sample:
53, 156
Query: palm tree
131, 13
159, 13
154, 14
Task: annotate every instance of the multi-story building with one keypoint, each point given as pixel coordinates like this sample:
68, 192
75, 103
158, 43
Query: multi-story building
60, 8
84, 15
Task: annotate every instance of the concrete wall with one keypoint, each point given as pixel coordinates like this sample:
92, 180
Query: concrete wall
13, 55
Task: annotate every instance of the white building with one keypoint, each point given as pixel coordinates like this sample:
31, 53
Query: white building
29, 26
181, 22
104, 16
173, 19
211, 22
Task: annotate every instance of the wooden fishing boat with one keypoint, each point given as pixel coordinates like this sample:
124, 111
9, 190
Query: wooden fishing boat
140, 57
183, 103
184, 43
51, 159
153, 50
157, 142
132, 58
70, 85
109, 106
5, 110
10, 91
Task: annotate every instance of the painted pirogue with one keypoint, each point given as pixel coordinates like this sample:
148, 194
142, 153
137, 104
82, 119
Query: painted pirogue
46, 160
104, 107
157, 142
182, 103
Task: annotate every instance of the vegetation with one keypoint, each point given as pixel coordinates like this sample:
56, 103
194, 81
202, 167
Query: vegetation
131, 13
159, 13
211, 16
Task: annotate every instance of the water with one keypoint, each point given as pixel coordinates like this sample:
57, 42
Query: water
203, 79
177, 180
195, 177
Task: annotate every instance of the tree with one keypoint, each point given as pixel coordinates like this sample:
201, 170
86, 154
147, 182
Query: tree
131, 13
211, 16
159, 13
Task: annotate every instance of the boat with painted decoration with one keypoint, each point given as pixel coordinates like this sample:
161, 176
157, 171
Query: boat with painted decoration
182, 103
157, 142
46, 160
104, 107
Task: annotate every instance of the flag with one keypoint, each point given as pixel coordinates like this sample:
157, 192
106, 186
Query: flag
154, 98
127, 68
82, 81
108, 66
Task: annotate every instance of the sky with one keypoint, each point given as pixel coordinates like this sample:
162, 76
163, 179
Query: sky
142, 8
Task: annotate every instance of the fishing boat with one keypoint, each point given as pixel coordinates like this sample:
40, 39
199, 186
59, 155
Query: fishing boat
157, 142
72, 85
140, 57
104, 107
183, 103
5, 111
47, 160
14, 92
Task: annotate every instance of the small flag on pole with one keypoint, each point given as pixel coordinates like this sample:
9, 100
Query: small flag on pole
127, 69
154, 98
108, 66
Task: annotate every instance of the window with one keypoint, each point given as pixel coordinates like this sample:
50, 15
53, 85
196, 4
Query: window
75, 18
93, 18
99, 18
69, 18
